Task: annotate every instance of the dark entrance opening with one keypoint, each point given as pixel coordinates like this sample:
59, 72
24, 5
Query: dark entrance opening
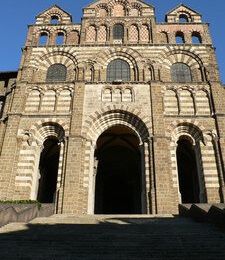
187, 172
49, 162
118, 179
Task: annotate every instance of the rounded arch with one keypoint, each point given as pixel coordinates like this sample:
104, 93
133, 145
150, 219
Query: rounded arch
190, 128
46, 58
100, 7
106, 119
104, 57
184, 56
45, 129
62, 57
184, 17
187, 57
53, 14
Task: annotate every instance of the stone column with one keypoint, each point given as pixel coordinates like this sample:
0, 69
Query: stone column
215, 141
36, 173
152, 179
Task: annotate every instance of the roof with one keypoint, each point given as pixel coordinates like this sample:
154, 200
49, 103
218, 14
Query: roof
53, 7
183, 5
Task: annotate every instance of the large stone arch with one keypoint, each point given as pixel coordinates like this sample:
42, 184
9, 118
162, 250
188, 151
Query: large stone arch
196, 134
42, 59
32, 141
40, 62
98, 123
185, 56
103, 119
188, 57
103, 57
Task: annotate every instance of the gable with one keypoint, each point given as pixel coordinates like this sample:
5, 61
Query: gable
174, 14
54, 11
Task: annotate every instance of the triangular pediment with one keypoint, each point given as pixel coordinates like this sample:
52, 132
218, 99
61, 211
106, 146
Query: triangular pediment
183, 8
54, 10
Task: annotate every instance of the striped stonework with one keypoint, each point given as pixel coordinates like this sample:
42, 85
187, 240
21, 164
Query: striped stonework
33, 101
78, 103
28, 164
171, 102
49, 101
202, 103
186, 102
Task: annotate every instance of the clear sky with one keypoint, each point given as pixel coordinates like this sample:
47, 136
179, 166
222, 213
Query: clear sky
17, 14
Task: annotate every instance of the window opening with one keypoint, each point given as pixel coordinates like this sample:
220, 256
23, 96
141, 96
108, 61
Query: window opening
181, 72
118, 32
118, 70
56, 72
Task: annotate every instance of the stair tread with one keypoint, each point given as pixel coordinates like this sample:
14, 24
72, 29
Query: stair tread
111, 237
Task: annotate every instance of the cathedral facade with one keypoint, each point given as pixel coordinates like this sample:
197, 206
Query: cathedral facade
116, 115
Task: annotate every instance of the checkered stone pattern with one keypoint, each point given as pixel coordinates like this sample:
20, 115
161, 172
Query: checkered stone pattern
144, 33
91, 34
133, 33
102, 34
133, 12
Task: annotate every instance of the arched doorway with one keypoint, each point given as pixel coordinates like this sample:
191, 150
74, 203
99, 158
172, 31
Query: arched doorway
118, 185
48, 167
187, 172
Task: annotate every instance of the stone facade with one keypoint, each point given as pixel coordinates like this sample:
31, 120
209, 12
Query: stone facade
76, 111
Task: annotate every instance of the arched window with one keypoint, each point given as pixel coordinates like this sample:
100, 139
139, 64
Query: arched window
118, 10
180, 38
180, 72
196, 38
59, 39
56, 73
54, 19
118, 70
183, 18
133, 34
43, 39
118, 32
164, 37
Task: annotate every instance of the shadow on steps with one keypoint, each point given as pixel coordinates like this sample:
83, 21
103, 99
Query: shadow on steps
112, 238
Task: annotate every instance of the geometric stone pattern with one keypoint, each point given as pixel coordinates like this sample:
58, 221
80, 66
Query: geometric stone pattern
78, 110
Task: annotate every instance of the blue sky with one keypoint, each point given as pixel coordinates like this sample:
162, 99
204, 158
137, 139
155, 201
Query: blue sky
16, 15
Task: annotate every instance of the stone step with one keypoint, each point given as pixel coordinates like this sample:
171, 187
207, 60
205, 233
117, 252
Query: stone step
111, 237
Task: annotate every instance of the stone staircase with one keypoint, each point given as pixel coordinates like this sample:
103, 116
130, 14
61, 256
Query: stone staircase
112, 237
211, 213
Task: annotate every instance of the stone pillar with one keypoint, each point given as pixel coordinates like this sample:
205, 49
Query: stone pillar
36, 173
215, 141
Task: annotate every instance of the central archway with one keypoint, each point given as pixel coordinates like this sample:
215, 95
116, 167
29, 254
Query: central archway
118, 185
